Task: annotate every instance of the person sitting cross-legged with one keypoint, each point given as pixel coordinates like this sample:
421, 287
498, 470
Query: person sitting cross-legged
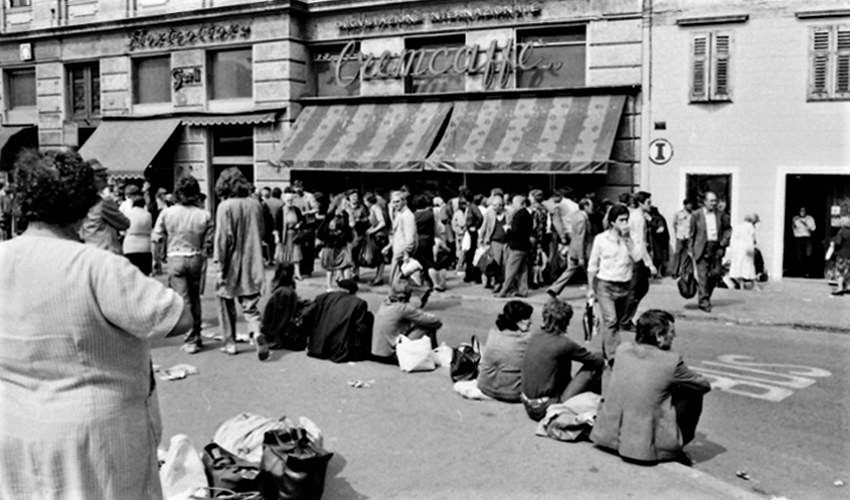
396, 317
547, 366
501, 361
652, 402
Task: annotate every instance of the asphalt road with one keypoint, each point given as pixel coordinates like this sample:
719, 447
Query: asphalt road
786, 427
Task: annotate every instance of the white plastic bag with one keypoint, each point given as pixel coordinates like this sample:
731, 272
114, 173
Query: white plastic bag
443, 355
466, 242
182, 474
415, 355
479, 252
243, 434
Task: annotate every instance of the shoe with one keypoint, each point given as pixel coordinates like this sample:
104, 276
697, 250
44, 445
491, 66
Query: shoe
376, 282
229, 347
705, 307
552, 294
191, 348
684, 459
440, 288
262, 348
424, 299
497, 288
243, 338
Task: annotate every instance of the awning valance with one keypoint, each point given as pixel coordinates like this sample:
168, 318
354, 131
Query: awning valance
239, 119
127, 147
392, 136
538, 134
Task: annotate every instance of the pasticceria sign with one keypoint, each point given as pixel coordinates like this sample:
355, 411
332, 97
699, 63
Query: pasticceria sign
496, 62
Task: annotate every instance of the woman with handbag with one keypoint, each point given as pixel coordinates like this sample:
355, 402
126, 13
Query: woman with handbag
80, 415
288, 235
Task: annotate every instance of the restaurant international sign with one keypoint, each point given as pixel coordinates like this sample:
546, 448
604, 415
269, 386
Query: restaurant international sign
496, 63
364, 24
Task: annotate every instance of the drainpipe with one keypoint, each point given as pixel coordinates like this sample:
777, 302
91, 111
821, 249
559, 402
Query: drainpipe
646, 93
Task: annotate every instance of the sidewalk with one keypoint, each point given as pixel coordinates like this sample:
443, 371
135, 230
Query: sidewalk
791, 303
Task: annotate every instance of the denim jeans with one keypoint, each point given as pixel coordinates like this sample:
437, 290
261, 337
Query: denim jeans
613, 298
184, 277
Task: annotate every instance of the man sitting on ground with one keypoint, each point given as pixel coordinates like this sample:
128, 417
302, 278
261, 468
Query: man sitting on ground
397, 317
652, 402
339, 325
547, 366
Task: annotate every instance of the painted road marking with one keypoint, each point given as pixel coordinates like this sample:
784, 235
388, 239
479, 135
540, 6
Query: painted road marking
737, 374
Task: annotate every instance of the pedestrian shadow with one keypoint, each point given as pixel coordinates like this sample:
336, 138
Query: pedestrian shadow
441, 304
337, 486
715, 303
701, 449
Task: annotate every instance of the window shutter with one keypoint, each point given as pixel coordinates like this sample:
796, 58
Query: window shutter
842, 63
720, 70
699, 68
819, 80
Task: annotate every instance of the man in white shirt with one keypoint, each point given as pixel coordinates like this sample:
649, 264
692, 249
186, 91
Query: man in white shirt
403, 238
803, 225
609, 273
644, 268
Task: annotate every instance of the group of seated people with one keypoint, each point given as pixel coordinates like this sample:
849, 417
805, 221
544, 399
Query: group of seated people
651, 401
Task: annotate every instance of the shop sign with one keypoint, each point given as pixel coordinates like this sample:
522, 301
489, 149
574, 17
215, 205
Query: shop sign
468, 15
496, 62
186, 77
173, 37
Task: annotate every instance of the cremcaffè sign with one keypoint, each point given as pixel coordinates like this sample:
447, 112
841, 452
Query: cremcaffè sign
495, 62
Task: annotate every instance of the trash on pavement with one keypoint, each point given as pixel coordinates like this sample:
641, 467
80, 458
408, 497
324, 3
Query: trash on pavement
361, 384
176, 372
839, 483
743, 475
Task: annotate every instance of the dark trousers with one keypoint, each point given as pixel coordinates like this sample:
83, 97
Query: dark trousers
679, 256
471, 273
572, 267
708, 272
185, 277
516, 272
142, 260
688, 406
585, 380
803, 250
640, 287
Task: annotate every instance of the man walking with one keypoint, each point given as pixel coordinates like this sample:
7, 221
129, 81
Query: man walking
403, 238
644, 268
802, 225
709, 236
579, 247
519, 239
609, 272
682, 230
494, 234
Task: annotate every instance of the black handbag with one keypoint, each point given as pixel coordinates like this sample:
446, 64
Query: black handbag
588, 321
227, 471
293, 466
465, 359
687, 282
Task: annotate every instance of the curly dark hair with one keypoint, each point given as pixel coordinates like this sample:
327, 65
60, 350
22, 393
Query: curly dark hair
556, 316
513, 312
187, 191
232, 184
56, 187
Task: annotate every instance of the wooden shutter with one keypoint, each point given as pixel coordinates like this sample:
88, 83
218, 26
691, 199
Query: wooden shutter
699, 68
819, 79
720, 51
842, 62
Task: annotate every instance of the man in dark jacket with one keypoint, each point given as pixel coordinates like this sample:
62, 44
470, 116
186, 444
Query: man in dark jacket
339, 325
519, 245
709, 236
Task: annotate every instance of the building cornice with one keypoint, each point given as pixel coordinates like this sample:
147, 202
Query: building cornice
124, 24
703, 20
820, 14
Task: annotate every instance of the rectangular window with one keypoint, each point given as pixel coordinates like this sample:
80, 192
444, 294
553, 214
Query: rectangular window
829, 67
152, 80
325, 59
230, 74
21, 85
435, 52
562, 55
84, 90
233, 140
20, 3
710, 70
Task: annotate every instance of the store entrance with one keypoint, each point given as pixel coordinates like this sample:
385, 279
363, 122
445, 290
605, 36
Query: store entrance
720, 184
826, 198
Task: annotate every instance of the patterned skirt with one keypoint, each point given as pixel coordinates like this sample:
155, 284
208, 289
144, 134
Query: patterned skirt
336, 259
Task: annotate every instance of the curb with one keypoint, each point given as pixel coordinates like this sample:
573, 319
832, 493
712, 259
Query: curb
724, 489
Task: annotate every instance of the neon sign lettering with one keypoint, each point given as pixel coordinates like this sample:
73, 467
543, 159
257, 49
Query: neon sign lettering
495, 62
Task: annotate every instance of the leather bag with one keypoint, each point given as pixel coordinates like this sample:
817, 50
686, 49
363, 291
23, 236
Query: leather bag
465, 359
687, 282
227, 471
293, 465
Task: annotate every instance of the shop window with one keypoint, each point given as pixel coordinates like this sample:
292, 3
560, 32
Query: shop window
829, 63
562, 52
325, 60
230, 74
710, 67
21, 86
233, 140
152, 80
430, 49
84, 90
20, 3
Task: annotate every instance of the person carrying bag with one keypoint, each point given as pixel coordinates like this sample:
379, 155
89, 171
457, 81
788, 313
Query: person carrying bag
293, 465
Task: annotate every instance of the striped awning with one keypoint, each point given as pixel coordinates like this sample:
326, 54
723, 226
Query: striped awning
393, 136
546, 134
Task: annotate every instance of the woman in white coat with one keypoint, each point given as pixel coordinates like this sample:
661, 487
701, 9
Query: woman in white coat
742, 250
